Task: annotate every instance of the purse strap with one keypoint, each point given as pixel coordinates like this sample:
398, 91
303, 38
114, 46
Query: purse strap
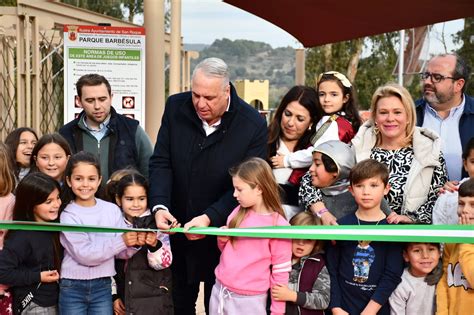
27, 299
319, 133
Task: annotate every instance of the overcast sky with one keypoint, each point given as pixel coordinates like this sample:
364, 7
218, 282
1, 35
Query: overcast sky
203, 21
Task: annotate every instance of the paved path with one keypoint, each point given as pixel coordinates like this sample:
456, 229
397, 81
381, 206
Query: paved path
200, 302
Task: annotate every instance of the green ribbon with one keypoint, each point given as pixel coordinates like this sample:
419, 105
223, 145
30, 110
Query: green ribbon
386, 233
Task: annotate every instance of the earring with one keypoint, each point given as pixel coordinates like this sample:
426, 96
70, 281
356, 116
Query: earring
376, 130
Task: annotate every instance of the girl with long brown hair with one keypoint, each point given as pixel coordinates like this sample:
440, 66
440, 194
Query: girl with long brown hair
248, 267
30, 260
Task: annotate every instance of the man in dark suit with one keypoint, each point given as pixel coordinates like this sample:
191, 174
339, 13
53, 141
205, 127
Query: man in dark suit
203, 133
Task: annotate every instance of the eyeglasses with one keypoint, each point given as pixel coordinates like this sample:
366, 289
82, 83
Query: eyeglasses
435, 77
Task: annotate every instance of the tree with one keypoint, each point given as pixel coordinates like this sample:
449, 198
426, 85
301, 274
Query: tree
240, 72
346, 57
121, 9
134, 7
325, 58
377, 68
354, 59
466, 38
111, 8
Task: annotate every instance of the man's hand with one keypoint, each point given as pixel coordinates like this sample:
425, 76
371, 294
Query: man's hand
49, 276
199, 221
165, 220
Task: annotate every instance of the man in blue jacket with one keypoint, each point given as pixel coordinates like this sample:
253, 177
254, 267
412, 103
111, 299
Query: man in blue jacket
446, 109
203, 133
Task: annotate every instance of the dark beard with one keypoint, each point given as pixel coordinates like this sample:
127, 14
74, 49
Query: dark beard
436, 98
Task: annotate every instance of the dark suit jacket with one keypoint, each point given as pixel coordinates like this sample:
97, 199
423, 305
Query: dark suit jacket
466, 122
189, 172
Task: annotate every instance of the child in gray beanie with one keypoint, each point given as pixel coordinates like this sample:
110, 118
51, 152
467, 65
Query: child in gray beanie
324, 188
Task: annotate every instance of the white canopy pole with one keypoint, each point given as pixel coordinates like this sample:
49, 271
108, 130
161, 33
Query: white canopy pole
401, 57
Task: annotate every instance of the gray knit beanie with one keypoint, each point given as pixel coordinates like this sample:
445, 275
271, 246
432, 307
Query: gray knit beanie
341, 153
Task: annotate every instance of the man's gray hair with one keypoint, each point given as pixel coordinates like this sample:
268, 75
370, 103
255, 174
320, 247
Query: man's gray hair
214, 67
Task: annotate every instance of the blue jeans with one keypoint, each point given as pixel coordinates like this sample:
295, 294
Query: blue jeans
88, 297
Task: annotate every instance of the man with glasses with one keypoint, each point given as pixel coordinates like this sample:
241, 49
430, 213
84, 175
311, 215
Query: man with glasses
446, 109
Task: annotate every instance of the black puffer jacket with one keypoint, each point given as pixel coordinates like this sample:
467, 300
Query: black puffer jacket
143, 289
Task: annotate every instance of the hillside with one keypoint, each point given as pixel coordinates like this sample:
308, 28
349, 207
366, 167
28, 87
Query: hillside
255, 61
195, 47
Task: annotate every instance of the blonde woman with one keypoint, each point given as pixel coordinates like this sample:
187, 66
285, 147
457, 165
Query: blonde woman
412, 154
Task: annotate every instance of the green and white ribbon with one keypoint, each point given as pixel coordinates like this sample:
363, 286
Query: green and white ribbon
385, 233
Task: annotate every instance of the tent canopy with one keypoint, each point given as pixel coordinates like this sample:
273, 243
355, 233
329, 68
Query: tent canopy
318, 22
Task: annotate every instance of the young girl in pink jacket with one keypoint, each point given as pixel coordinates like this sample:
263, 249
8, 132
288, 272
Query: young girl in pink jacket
248, 267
